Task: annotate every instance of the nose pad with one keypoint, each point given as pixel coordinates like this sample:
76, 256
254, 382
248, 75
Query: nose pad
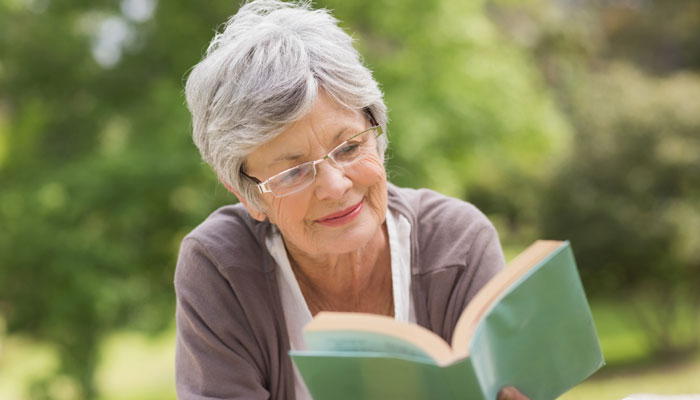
331, 162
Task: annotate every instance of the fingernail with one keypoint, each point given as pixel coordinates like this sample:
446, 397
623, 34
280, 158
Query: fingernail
505, 393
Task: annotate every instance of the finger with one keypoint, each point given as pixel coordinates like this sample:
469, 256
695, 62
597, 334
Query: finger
511, 393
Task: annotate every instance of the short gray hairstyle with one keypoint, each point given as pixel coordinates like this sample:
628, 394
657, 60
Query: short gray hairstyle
263, 72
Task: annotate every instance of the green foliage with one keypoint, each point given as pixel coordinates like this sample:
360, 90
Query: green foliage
628, 198
626, 194
661, 37
99, 179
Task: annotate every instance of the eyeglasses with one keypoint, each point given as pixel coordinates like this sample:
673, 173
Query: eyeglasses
297, 178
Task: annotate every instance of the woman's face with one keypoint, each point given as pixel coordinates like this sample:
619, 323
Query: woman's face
343, 209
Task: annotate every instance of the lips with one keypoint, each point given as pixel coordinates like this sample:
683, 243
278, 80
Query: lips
343, 216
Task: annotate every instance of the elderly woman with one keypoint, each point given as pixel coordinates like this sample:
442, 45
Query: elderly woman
295, 126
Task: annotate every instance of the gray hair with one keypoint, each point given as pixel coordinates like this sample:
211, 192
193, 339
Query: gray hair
262, 73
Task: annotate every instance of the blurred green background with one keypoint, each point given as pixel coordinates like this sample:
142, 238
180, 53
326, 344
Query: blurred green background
561, 119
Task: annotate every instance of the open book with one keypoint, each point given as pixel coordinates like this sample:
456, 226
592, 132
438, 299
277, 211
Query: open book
530, 327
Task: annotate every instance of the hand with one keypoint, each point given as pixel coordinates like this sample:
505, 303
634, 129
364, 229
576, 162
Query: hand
511, 393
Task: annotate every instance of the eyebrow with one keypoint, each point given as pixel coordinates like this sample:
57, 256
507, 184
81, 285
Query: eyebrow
296, 156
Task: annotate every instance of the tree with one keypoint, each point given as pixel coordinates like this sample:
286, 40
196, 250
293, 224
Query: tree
100, 180
629, 197
626, 193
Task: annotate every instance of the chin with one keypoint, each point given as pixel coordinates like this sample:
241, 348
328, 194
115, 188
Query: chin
352, 238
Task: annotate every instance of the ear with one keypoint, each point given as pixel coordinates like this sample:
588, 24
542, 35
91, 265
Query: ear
254, 212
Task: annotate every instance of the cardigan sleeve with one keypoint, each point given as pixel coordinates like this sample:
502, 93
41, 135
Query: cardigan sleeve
215, 355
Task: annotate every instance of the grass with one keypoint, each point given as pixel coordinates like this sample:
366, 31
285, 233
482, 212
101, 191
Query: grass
133, 367
22, 361
629, 369
136, 367
677, 377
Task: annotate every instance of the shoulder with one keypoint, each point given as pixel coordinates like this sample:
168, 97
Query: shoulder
433, 213
224, 272
228, 237
228, 247
446, 231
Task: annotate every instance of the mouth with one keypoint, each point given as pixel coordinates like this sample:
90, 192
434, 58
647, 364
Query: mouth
342, 217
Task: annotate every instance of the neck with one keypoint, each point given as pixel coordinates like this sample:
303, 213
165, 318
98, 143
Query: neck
359, 281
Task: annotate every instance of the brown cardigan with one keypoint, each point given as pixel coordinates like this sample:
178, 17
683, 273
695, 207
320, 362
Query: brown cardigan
232, 340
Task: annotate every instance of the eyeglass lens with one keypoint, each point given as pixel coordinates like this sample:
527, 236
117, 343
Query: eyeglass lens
299, 177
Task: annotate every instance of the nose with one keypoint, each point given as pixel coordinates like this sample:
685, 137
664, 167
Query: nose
331, 181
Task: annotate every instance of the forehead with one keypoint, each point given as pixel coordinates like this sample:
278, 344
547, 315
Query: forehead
322, 128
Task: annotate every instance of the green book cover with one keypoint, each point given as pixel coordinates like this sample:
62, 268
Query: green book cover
529, 327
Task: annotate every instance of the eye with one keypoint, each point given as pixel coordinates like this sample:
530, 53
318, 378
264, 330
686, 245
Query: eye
295, 175
349, 148
290, 176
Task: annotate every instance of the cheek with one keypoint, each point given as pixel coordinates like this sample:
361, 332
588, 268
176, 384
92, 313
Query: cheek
286, 212
371, 174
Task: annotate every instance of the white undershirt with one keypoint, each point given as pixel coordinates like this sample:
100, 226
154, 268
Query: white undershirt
296, 311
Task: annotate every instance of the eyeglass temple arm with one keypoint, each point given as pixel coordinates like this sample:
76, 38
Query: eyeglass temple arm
263, 187
374, 122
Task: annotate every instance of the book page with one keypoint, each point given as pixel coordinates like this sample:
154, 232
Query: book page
330, 331
338, 341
